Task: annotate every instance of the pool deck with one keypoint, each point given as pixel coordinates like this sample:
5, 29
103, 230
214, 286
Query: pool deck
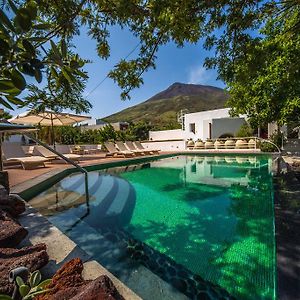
287, 222
17, 175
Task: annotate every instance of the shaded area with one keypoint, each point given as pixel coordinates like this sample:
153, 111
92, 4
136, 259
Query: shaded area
287, 217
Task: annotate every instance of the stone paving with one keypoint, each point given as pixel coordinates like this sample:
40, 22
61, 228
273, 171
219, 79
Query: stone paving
18, 175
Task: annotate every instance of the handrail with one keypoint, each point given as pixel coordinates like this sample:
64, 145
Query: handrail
267, 141
82, 170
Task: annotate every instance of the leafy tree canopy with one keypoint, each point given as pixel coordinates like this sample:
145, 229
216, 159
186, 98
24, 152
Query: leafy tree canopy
59, 94
28, 30
5, 115
266, 82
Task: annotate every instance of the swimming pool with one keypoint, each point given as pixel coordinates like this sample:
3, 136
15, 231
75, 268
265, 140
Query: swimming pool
203, 224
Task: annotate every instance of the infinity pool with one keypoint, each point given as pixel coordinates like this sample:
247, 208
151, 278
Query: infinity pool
202, 224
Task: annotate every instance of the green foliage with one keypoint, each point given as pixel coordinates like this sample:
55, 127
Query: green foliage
22, 32
277, 138
226, 135
138, 131
269, 77
266, 79
59, 94
5, 115
74, 135
245, 131
33, 288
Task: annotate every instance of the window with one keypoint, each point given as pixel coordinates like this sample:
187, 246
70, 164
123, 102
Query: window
192, 127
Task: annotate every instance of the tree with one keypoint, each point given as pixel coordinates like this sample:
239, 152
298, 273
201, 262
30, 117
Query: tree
21, 46
59, 94
5, 115
138, 131
227, 27
266, 84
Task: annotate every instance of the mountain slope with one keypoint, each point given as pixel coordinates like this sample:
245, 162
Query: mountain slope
162, 108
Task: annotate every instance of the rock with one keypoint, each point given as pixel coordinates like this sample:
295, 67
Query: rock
4, 180
69, 275
67, 283
32, 257
11, 232
99, 289
3, 191
13, 204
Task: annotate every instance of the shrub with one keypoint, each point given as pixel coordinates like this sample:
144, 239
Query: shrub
244, 131
226, 135
277, 138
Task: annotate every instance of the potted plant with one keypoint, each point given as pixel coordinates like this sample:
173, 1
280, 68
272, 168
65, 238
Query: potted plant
219, 144
229, 144
209, 144
199, 144
190, 143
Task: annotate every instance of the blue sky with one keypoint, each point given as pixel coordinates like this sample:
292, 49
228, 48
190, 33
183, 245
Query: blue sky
173, 65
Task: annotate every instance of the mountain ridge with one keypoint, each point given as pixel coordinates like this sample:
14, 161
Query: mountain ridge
162, 108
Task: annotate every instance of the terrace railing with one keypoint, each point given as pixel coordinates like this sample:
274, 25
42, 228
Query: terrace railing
230, 143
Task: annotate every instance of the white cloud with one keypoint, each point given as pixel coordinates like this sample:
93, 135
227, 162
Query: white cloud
199, 75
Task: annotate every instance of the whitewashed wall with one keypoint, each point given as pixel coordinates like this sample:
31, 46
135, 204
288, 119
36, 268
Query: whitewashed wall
165, 145
201, 120
175, 134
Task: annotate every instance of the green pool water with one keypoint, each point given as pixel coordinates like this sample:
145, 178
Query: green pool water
213, 216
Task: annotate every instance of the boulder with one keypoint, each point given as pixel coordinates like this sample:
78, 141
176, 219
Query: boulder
11, 232
13, 204
67, 283
99, 289
32, 257
4, 180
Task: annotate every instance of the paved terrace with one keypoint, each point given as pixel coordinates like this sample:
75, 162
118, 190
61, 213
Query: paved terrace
17, 175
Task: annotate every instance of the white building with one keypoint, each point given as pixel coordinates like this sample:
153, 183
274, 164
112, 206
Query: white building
96, 124
202, 125
211, 124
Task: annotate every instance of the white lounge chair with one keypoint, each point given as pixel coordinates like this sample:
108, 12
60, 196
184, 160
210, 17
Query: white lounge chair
133, 148
13, 153
113, 151
121, 146
66, 151
141, 147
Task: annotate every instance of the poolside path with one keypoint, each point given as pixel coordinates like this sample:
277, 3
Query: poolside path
18, 175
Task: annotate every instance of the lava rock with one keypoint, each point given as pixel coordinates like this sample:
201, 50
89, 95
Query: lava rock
32, 257
11, 232
67, 283
13, 204
99, 289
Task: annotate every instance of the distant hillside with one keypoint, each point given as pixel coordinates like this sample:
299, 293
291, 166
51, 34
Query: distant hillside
162, 108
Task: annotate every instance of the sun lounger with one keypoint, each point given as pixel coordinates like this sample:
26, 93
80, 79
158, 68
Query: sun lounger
90, 149
132, 148
13, 153
67, 152
141, 147
113, 151
121, 146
